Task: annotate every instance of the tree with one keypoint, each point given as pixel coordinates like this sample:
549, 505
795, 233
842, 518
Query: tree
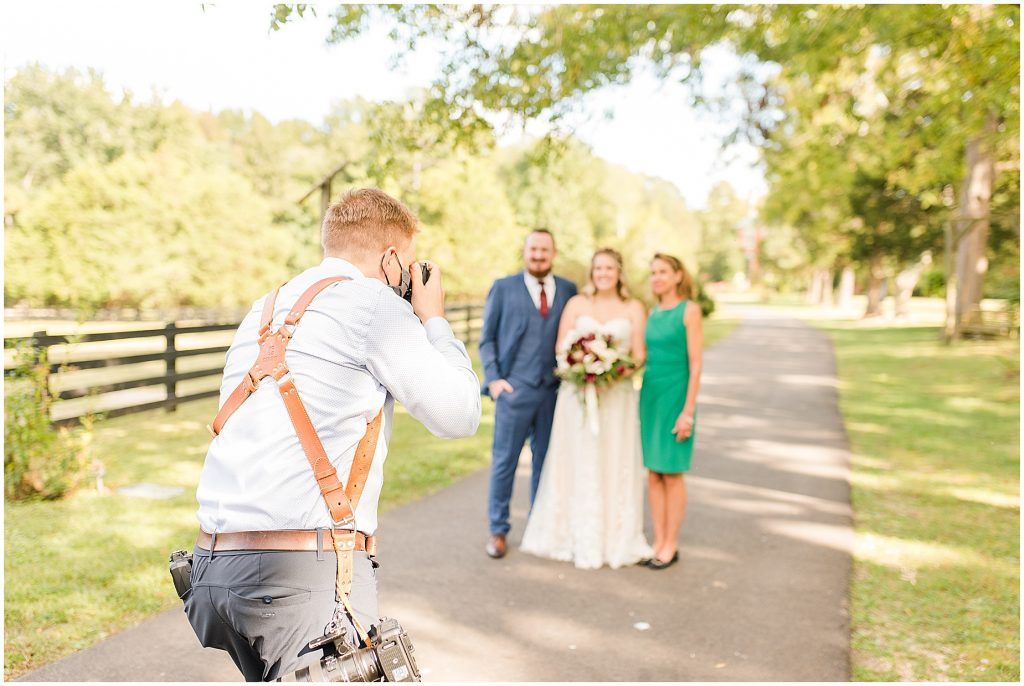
467, 224
901, 230
590, 204
55, 120
145, 231
783, 258
944, 78
720, 258
199, 208
831, 182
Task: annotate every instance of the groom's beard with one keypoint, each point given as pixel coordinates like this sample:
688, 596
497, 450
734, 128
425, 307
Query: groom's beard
538, 274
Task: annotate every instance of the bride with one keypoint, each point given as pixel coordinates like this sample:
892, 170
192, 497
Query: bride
589, 504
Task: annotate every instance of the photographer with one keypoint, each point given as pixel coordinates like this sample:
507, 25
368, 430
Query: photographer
309, 380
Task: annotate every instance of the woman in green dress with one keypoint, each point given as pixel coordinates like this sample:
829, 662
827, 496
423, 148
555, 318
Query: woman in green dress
668, 401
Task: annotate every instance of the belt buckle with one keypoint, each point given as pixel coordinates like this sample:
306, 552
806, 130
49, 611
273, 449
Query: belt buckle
344, 523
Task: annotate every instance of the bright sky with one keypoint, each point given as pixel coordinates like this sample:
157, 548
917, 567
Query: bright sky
224, 56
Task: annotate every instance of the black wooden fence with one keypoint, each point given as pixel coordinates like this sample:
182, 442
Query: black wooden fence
466, 321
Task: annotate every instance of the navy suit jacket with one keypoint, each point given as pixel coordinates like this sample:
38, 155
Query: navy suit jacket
506, 315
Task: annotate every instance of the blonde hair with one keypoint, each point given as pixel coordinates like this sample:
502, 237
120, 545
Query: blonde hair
366, 220
620, 287
685, 286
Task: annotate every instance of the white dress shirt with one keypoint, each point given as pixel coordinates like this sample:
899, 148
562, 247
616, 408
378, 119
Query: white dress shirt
358, 348
533, 285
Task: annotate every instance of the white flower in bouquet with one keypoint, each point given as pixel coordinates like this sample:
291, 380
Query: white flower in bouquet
599, 348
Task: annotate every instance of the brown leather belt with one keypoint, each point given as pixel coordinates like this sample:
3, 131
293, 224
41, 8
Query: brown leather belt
285, 539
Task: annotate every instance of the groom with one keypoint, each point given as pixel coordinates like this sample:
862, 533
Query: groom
517, 350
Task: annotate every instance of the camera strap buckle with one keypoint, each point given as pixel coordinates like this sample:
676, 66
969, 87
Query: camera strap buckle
344, 544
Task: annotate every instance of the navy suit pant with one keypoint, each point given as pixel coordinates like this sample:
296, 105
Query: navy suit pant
527, 412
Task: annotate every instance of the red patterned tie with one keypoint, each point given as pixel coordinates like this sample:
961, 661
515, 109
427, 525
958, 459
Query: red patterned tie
544, 309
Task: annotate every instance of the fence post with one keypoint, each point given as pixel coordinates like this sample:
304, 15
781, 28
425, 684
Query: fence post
170, 359
38, 347
469, 322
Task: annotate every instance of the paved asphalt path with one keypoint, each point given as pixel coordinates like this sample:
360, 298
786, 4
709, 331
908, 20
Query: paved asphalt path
759, 593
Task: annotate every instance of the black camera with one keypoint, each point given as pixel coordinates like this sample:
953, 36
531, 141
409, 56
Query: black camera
390, 658
181, 572
425, 273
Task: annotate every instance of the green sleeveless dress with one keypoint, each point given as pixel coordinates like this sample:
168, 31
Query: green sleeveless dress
663, 394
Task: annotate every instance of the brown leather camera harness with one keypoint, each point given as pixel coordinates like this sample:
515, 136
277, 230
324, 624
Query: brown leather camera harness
341, 500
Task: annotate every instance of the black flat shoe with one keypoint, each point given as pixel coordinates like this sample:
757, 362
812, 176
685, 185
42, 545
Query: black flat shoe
646, 562
658, 564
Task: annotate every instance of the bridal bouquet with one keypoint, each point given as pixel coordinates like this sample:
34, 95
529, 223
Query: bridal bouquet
592, 359
589, 361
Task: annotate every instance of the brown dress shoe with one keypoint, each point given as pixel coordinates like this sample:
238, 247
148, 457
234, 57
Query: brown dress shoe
496, 546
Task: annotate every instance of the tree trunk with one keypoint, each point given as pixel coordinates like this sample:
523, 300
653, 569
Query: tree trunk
972, 222
814, 292
876, 276
826, 287
906, 281
952, 325
755, 262
846, 284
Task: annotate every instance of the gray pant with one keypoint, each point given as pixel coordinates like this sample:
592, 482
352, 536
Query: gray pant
263, 608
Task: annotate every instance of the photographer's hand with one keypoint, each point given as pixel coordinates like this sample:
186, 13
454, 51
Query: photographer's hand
427, 298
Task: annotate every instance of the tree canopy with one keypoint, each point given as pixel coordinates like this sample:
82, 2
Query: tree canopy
116, 201
863, 114
879, 127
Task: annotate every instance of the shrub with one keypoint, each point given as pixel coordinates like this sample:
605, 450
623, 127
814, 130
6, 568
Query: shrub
707, 305
932, 283
39, 461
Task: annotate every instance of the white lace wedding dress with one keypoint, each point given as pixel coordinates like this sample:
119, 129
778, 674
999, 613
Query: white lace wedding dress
589, 504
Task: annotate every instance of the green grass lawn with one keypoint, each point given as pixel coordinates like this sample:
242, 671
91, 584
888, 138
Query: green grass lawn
83, 568
934, 433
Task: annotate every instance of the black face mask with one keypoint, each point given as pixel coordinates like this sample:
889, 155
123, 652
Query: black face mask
404, 287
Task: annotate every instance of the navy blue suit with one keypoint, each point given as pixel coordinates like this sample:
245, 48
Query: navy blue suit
518, 345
